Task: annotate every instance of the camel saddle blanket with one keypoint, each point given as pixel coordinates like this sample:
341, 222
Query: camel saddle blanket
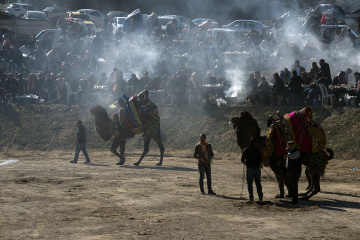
140, 115
296, 126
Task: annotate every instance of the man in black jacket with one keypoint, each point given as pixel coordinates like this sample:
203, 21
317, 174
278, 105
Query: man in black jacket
204, 153
293, 165
252, 157
324, 67
278, 89
295, 88
80, 142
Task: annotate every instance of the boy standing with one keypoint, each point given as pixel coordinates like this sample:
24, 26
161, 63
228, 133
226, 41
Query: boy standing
80, 143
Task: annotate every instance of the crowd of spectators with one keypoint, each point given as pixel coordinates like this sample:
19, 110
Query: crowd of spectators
177, 60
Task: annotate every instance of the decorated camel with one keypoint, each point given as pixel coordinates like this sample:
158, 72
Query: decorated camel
296, 126
138, 115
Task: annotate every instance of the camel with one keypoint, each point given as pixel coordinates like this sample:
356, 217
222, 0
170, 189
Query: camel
104, 127
247, 127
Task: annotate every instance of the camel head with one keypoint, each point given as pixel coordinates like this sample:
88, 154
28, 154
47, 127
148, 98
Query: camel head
102, 122
246, 128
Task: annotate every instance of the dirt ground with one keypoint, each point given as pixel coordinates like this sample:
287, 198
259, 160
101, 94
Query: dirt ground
43, 196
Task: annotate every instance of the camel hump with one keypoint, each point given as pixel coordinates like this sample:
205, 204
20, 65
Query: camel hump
245, 115
97, 109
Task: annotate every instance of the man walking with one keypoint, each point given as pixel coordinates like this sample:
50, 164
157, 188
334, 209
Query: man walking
293, 165
252, 157
80, 143
203, 152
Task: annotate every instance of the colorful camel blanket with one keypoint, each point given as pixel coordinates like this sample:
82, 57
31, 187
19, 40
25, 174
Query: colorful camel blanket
296, 126
139, 115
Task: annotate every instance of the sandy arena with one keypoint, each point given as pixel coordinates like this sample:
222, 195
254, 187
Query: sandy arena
43, 196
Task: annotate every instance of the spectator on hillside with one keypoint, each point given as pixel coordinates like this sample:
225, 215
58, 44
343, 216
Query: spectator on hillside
324, 67
311, 90
339, 79
46, 43
295, 88
53, 60
298, 68
15, 58
33, 86
134, 85
314, 69
48, 90
264, 92
347, 73
172, 28
145, 80
306, 78
285, 75
39, 58
4, 53
103, 79
278, 90
12, 86
61, 87
2, 87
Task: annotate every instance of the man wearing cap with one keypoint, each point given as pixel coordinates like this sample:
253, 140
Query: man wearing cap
80, 142
293, 165
203, 152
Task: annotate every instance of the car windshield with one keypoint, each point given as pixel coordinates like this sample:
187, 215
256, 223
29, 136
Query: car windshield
164, 21
36, 15
14, 5
120, 20
51, 9
199, 20
84, 17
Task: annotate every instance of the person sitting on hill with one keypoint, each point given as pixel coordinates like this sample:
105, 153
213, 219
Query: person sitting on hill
295, 88
252, 88
339, 79
278, 89
264, 92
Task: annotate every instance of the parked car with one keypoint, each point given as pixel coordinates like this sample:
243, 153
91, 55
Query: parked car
79, 22
36, 15
198, 21
330, 32
113, 14
15, 1
244, 26
96, 16
89, 23
48, 10
19, 9
182, 21
118, 22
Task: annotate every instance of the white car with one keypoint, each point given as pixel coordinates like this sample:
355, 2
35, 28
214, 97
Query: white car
118, 22
19, 9
182, 21
244, 26
36, 15
96, 16
198, 21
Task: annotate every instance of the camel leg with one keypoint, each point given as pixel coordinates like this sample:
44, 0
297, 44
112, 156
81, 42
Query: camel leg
315, 186
280, 177
147, 139
118, 142
161, 147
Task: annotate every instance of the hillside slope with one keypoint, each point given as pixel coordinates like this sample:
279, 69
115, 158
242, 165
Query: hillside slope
52, 127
